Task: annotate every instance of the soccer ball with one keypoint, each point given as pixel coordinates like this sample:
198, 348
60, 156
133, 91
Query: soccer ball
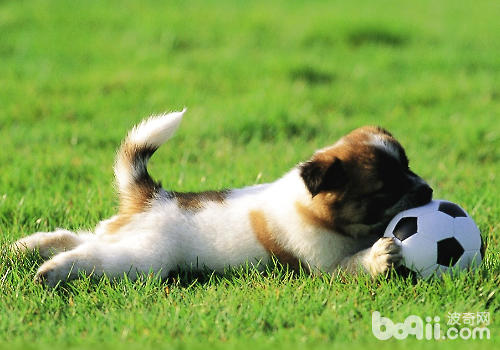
435, 238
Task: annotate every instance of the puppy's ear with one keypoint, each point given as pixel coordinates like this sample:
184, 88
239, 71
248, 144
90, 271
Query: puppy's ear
320, 176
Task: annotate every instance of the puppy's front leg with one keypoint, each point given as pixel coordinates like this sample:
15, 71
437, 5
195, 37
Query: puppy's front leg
377, 259
101, 258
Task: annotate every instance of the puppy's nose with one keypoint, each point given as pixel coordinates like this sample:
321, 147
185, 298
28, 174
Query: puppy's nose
423, 194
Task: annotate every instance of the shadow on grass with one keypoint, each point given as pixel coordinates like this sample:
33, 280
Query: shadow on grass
311, 75
279, 126
376, 35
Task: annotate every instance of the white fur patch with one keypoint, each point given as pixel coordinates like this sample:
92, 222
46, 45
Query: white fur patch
156, 130
384, 143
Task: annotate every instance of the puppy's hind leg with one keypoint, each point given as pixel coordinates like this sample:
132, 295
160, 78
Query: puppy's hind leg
97, 258
51, 243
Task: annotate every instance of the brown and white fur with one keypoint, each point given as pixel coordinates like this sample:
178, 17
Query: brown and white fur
325, 213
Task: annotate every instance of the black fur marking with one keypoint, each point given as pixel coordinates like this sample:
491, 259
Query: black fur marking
140, 157
320, 177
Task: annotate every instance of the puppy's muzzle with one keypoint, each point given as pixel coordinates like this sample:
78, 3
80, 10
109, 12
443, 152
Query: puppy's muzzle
422, 194
419, 195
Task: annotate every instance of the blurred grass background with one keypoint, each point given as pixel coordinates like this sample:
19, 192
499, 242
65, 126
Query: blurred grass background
265, 83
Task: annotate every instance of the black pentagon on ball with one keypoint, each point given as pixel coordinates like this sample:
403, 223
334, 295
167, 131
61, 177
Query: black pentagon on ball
449, 250
406, 227
451, 209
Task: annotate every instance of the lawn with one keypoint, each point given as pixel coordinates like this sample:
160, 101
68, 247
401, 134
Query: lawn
265, 83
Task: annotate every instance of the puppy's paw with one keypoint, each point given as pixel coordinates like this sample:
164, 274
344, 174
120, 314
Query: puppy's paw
384, 254
56, 270
26, 244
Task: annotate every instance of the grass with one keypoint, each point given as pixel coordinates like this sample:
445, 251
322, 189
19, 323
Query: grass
266, 83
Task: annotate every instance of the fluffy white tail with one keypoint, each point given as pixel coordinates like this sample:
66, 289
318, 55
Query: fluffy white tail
135, 186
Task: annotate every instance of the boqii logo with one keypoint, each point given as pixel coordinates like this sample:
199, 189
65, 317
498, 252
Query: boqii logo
384, 328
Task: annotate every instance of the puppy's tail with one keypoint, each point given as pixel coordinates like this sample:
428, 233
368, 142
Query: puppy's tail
135, 186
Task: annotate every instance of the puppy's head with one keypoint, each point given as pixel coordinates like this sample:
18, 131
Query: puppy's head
358, 184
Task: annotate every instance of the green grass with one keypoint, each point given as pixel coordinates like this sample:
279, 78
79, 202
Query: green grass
266, 83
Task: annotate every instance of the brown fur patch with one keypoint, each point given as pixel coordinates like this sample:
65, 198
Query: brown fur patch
265, 236
134, 201
117, 223
317, 215
196, 201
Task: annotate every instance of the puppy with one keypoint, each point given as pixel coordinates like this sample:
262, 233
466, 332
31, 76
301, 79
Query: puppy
326, 213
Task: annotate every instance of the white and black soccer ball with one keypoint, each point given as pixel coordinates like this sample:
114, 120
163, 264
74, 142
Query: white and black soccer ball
436, 237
